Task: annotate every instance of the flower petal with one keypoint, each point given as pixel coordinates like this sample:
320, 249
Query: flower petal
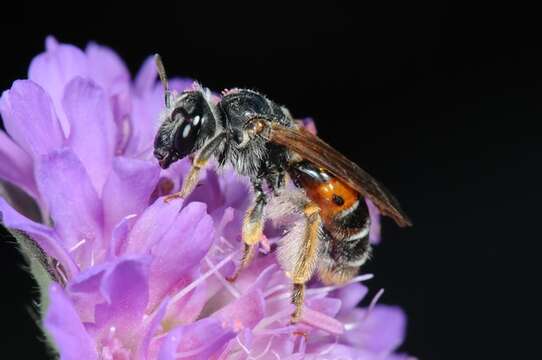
84, 290
146, 106
182, 248
322, 321
106, 68
72, 201
236, 190
128, 189
221, 192
203, 339
92, 135
125, 288
16, 165
178, 254
63, 324
145, 79
110, 73
54, 69
46, 238
382, 331
244, 312
327, 306
119, 236
151, 329
188, 308
27, 106
350, 296
151, 226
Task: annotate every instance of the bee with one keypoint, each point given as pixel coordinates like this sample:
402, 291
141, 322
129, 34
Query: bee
261, 140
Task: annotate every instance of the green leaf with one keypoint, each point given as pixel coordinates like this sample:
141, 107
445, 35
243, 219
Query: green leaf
37, 264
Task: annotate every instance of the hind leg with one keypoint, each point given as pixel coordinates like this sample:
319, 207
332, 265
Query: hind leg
306, 257
298, 250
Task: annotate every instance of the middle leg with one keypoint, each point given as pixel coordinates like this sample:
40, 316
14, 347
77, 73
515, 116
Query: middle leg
252, 228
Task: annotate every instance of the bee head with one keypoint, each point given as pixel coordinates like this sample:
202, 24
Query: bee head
187, 124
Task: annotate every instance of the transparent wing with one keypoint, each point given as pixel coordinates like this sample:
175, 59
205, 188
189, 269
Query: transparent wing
315, 150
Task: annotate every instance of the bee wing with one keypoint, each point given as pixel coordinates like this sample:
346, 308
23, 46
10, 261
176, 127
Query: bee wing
315, 150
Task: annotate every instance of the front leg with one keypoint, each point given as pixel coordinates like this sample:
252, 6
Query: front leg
252, 228
200, 161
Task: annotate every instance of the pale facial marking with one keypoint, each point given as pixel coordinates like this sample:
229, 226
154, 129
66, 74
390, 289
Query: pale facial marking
186, 130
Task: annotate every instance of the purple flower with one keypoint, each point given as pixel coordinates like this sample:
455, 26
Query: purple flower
124, 275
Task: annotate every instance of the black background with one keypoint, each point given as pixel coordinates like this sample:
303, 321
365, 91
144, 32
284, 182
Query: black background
440, 102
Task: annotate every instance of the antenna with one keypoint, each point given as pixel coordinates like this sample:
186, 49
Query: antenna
163, 78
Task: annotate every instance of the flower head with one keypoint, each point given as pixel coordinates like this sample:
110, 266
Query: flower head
133, 277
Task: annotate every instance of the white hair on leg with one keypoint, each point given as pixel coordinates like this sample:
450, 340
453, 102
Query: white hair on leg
287, 209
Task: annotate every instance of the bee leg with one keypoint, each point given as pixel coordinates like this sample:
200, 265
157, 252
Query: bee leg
252, 229
307, 258
189, 182
199, 163
277, 182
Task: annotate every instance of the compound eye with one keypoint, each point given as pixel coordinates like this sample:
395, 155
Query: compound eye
187, 135
178, 115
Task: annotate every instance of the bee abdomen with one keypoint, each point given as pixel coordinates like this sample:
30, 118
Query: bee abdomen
345, 219
343, 254
350, 234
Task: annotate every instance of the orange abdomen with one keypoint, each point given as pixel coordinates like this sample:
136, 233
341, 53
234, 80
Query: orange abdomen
345, 219
332, 195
